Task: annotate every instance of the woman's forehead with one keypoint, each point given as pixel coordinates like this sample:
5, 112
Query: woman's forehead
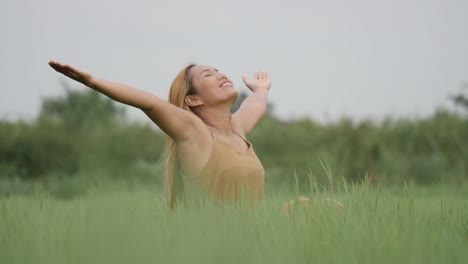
198, 69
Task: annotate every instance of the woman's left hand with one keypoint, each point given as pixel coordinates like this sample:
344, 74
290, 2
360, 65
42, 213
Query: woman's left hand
261, 81
306, 202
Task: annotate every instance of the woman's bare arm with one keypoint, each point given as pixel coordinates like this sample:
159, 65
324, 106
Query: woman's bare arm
174, 121
254, 107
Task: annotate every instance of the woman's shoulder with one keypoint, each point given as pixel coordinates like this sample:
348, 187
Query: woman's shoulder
237, 127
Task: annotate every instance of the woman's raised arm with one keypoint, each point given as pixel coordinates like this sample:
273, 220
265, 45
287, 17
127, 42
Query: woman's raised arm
254, 107
174, 121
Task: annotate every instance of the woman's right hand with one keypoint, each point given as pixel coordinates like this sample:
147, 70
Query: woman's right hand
72, 72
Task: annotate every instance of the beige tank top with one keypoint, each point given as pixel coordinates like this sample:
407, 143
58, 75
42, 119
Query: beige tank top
229, 175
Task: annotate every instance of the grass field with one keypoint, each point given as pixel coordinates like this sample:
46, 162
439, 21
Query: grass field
377, 226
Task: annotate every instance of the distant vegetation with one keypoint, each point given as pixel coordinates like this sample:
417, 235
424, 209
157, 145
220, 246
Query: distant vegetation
83, 136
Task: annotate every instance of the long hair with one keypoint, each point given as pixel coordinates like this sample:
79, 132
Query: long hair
180, 87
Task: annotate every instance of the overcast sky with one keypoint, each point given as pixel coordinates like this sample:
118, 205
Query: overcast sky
365, 58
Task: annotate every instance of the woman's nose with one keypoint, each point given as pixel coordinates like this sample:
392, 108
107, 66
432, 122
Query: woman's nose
221, 76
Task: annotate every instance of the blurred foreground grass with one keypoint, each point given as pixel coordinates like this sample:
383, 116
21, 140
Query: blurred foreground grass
405, 225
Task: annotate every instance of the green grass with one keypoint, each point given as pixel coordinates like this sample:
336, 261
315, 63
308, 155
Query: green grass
377, 226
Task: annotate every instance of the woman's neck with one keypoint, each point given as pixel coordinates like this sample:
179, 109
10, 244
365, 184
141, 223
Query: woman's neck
217, 118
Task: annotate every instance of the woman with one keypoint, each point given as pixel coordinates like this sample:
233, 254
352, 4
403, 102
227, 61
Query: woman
207, 146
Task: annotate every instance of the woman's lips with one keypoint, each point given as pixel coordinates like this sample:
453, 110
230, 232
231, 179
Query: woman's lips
226, 83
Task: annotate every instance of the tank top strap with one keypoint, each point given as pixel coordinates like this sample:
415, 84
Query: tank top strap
246, 140
216, 141
238, 134
212, 136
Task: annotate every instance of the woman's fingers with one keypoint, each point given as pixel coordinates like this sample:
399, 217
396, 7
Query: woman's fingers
261, 75
247, 82
306, 202
260, 80
71, 72
54, 65
62, 68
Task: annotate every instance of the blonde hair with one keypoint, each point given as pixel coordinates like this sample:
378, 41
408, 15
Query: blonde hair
180, 87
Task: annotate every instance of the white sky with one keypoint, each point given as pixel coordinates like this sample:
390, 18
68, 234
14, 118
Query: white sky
365, 58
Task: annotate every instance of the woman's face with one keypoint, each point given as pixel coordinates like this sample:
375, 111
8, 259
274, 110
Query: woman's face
211, 86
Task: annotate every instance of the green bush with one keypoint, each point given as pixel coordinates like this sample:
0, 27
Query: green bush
84, 135
33, 151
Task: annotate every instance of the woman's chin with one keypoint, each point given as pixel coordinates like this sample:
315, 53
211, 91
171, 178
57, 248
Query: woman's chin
227, 96
234, 94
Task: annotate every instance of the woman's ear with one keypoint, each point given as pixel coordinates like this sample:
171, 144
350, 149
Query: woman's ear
193, 100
